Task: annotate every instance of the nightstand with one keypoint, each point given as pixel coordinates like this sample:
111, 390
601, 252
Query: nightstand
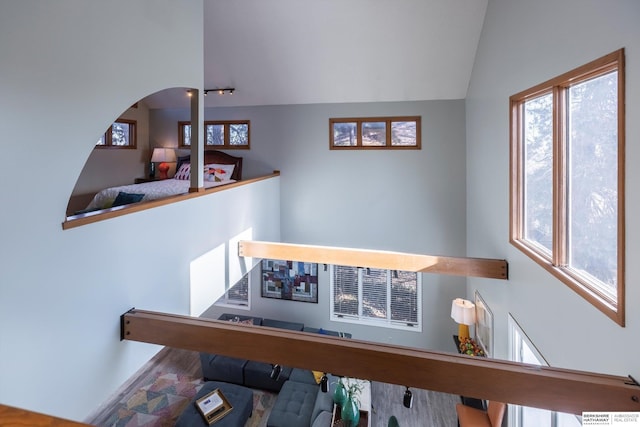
146, 179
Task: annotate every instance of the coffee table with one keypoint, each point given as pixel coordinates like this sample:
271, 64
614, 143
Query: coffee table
241, 398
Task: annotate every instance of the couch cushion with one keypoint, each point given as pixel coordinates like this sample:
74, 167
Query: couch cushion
324, 401
323, 419
223, 368
293, 326
294, 405
326, 332
257, 375
302, 376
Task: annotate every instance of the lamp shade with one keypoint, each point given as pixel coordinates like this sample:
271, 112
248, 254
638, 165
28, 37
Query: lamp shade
163, 155
463, 311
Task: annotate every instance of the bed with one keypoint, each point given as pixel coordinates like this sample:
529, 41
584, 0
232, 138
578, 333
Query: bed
220, 169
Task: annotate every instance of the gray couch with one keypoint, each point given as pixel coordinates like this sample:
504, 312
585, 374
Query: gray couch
300, 401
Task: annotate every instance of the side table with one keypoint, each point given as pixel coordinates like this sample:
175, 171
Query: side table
469, 401
365, 404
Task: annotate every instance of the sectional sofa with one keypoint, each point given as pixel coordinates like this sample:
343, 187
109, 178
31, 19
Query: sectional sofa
300, 402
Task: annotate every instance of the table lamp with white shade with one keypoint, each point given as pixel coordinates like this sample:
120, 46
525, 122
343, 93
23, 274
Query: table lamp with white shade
164, 156
464, 313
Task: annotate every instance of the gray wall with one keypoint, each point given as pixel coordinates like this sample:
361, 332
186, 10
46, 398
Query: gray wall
108, 167
410, 201
524, 43
62, 292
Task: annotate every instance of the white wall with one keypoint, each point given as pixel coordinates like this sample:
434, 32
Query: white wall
68, 69
524, 43
108, 167
410, 201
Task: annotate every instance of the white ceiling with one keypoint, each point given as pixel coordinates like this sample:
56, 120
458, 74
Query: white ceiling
318, 51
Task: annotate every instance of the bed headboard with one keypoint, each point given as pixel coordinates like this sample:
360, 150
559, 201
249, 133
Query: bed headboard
219, 157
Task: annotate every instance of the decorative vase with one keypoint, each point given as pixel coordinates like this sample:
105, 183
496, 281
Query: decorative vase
340, 395
350, 412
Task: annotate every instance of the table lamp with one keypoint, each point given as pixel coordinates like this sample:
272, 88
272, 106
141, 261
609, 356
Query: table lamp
164, 156
464, 313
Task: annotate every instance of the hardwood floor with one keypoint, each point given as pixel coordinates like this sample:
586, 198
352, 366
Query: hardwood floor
430, 409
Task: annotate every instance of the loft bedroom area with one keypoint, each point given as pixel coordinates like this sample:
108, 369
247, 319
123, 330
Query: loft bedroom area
453, 65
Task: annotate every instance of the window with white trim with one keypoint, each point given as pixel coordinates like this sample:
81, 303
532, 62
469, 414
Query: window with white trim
388, 298
567, 180
238, 295
522, 350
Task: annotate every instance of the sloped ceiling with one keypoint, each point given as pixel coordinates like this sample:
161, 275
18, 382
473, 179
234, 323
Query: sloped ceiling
317, 51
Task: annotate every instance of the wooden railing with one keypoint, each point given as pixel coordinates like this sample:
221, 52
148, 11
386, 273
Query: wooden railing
104, 214
542, 387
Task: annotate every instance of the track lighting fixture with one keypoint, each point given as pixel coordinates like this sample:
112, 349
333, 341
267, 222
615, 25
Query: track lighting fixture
221, 91
275, 372
324, 383
407, 401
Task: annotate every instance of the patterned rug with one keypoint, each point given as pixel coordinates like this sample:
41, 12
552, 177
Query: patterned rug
160, 402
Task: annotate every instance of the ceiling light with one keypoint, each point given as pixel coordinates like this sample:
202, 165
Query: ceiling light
221, 91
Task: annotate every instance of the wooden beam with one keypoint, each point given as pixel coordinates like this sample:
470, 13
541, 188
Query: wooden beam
476, 267
542, 387
15, 417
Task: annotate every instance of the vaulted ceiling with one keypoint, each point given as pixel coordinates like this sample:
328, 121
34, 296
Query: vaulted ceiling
317, 51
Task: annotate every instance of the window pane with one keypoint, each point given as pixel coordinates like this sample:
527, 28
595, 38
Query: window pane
403, 133
215, 134
345, 290
538, 167
120, 134
534, 417
186, 132
374, 133
344, 134
593, 179
238, 134
374, 293
101, 141
404, 298
239, 293
567, 420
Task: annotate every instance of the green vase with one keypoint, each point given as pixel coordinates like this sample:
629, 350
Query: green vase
350, 413
340, 395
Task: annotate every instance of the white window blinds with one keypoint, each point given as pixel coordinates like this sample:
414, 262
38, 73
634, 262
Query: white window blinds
370, 295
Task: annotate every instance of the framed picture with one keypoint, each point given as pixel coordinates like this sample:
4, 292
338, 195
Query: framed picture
290, 280
213, 406
484, 325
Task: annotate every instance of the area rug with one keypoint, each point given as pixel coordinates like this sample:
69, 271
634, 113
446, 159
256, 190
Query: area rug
160, 402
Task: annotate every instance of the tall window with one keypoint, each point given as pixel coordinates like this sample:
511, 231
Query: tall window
121, 134
373, 296
238, 294
220, 134
567, 179
375, 133
523, 351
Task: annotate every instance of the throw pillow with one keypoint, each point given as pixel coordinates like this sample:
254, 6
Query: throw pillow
126, 198
183, 172
218, 172
317, 376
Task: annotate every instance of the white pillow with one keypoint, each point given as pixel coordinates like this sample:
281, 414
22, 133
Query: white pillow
217, 172
184, 171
